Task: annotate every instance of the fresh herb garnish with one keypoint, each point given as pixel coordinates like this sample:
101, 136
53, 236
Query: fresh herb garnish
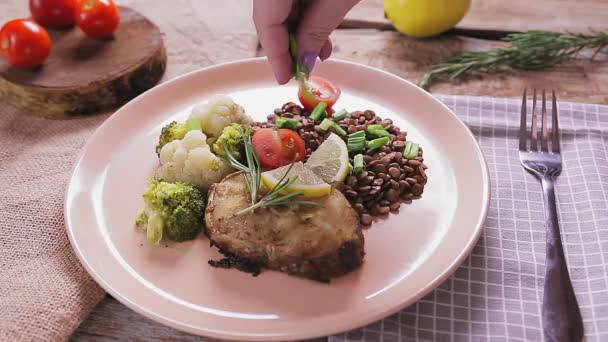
411, 150
288, 123
300, 71
378, 131
253, 178
340, 115
358, 164
532, 50
377, 143
319, 113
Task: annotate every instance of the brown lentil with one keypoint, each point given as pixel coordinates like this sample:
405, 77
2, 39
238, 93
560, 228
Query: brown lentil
383, 210
411, 180
394, 172
379, 168
417, 189
414, 163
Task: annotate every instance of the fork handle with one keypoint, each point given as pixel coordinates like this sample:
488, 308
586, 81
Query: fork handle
562, 319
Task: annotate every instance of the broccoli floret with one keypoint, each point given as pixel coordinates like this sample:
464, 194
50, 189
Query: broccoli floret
233, 136
174, 208
176, 131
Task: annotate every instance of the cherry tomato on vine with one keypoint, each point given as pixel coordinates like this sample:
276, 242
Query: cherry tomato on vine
278, 147
97, 18
54, 13
24, 43
322, 90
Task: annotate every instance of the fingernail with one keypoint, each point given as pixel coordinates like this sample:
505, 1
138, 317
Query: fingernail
274, 73
309, 60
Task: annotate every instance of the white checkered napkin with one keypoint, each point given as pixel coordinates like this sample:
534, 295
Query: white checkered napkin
496, 294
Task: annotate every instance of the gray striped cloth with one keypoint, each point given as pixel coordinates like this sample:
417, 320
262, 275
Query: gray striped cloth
496, 294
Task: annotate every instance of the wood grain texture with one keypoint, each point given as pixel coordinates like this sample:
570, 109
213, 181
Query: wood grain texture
111, 321
580, 81
84, 75
514, 15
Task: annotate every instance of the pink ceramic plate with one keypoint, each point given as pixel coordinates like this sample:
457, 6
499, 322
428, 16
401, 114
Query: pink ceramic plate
407, 254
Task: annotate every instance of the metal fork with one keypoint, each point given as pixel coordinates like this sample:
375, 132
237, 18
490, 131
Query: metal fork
561, 315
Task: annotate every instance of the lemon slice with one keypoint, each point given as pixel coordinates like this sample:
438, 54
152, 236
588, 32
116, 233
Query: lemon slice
330, 160
302, 178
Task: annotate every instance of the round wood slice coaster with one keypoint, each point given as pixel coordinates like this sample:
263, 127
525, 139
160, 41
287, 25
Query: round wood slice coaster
85, 76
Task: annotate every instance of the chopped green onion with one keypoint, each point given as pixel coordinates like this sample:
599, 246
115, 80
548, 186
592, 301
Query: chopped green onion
319, 112
339, 129
356, 140
355, 149
326, 124
350, 168
380, 133
356, 144
341, 115
358, 163
377, 143
411, 150
193, 124
359, 134
287, 123
377, 130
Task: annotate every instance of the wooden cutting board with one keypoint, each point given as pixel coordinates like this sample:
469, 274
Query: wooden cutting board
86, 76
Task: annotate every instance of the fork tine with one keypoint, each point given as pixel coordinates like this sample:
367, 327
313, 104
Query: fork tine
544, 138
534, 131
555, 129
522, 129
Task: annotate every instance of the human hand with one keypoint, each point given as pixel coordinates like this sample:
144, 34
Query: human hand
316, 23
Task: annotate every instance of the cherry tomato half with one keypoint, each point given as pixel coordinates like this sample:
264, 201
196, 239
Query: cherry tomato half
54, 13
24, 43
322, 90
278, 147
97, 18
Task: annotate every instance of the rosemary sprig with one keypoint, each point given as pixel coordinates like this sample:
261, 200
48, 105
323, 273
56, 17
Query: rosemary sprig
532, 50
253, 177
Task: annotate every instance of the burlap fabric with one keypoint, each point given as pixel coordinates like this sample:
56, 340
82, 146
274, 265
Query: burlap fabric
44, 291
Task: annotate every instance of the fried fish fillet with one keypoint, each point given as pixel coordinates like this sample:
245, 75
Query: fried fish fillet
313, 242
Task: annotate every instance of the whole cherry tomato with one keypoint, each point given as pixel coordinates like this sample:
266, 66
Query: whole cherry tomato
319, 90
54, 13
24, 43
97, 18
278, 147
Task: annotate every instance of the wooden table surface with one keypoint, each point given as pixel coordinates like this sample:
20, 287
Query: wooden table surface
581, 81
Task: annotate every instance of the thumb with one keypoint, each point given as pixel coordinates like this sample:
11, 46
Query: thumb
320, 19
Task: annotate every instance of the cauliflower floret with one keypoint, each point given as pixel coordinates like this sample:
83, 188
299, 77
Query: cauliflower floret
190, 160
219, 112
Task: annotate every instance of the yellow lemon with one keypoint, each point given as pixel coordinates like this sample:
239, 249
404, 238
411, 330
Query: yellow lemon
425, 18
301, 178
330, 160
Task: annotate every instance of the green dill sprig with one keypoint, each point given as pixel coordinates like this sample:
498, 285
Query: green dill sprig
253, 176
532, 50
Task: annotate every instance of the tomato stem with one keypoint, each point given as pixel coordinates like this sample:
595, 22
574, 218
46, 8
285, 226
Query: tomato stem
88, 5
